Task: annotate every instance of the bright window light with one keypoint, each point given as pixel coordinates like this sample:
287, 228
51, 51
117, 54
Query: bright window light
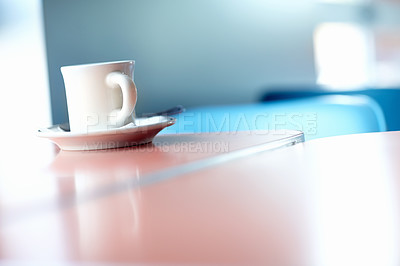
343, 1
25, 100
343, 55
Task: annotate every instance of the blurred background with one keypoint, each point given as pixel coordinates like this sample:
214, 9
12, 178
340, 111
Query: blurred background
194, 53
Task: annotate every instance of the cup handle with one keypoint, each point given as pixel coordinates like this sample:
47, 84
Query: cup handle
129, 94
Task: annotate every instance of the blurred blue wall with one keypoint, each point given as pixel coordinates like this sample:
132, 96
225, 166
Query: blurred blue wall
193, 53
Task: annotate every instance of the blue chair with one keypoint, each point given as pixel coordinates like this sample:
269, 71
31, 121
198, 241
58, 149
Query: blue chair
387, 98
317, 117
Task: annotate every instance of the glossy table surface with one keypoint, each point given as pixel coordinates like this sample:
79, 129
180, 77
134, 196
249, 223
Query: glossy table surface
226, 198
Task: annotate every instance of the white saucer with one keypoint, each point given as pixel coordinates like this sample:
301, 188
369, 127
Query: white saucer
143, 131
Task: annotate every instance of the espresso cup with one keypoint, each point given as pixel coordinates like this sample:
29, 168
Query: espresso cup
100, 96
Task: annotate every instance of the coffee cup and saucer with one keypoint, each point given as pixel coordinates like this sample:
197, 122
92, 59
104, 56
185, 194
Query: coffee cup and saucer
101, 100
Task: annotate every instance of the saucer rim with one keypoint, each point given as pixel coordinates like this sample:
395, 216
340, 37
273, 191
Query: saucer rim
50, 132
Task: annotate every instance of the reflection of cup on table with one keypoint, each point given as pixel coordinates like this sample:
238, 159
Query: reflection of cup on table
100, 96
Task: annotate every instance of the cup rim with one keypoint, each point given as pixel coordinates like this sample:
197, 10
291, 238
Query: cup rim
97, 64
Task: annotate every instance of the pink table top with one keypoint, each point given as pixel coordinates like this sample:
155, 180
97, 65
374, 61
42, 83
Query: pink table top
205, 199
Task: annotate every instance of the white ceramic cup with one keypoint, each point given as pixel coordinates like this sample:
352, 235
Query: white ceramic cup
100, 96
